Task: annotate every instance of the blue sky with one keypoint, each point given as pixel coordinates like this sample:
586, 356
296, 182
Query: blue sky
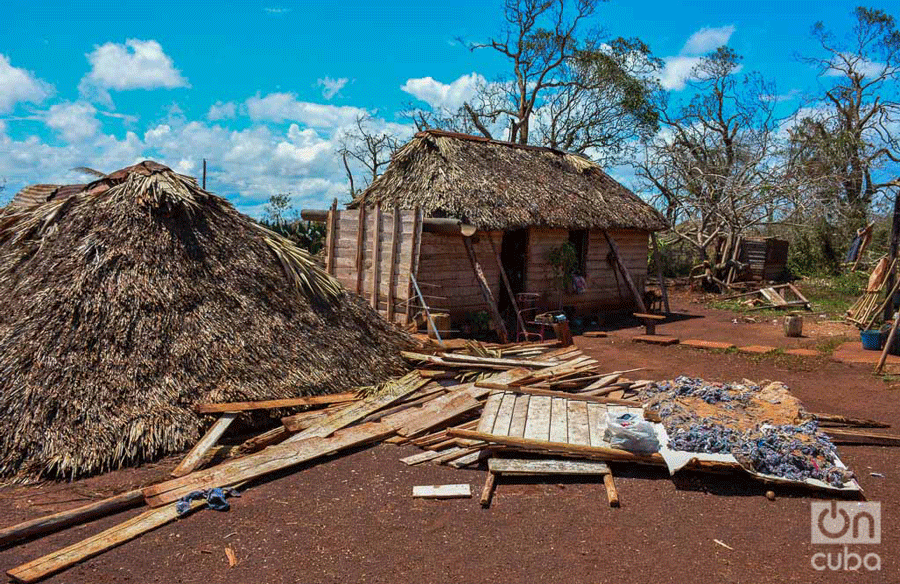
264, 89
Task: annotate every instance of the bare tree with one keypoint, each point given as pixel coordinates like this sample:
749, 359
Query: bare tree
567, 88
851, 130
367, 148
714, 163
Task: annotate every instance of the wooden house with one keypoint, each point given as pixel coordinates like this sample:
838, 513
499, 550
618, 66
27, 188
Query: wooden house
451, 205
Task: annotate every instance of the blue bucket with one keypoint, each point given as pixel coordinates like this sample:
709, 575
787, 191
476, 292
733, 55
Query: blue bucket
871, 340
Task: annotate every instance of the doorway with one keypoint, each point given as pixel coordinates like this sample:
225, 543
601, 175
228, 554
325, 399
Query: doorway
514, 257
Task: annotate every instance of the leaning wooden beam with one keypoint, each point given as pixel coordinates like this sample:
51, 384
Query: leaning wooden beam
505, 279
193, 458
638, 300
847, 420
887, 346
657, 258
270, 460
67, 557
63, 519
485, 291
314, 400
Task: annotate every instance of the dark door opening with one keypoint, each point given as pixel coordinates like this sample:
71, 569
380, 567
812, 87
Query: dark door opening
514, 257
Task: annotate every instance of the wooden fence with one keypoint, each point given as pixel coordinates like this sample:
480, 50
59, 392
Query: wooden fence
372, 251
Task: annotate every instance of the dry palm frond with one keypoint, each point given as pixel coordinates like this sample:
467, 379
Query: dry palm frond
301, 268
89, 171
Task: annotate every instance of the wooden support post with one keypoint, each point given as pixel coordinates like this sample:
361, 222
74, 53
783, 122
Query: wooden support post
330, 237
485, 290
505, 278
190, 462
360, 248
657, 258
414, 261
376, 256
392, 270
611, 492
430, 320
625, 273
488, 491
887, 346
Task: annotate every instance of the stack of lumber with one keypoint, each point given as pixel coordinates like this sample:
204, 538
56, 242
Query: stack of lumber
461, 403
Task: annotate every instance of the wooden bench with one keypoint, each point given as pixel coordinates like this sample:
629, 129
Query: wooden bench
649, 321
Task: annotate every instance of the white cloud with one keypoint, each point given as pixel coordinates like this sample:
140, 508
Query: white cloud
280, 107
136, 64
222, 111
75, 122
678, 69
707, 39
331, 87
845, 61
443, 95
18, 85
677, 72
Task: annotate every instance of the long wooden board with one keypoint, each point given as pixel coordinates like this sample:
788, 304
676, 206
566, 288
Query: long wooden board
44, 566
269, 460
313, 400
193, 458
543, 466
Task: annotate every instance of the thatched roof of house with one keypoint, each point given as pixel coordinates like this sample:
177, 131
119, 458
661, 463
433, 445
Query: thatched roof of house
140, 295
500, 185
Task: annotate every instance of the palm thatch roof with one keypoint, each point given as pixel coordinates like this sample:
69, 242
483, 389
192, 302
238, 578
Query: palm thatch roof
499, 185
141, 294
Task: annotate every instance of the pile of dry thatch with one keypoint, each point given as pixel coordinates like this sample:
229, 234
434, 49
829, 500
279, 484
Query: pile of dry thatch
142, 294
498, 185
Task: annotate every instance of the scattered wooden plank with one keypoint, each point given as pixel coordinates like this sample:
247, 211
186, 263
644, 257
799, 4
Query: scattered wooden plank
468, 459
193, 458
458, 357
269, 460
597, 424
422, 457
612, 494
595, 334
346, 416
655, 340
314, 400
551, 393
63, 519
844, 436
544, 466
69, 556
463, 490
487, 491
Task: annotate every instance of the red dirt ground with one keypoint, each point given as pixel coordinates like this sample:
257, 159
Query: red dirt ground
352, 518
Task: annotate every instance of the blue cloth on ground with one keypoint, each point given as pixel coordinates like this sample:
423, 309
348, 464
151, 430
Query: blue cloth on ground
215, 499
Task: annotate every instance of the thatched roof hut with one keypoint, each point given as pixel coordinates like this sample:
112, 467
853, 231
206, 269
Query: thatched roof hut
140, 294
496, 185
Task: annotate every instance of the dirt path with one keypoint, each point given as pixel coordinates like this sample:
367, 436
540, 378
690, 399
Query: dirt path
353, 520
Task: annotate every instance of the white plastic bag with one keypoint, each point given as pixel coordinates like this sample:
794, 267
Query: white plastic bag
630, 432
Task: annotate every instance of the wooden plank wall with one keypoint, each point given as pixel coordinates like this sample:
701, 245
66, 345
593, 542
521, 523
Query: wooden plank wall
445, 271
602, 292
359, 241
